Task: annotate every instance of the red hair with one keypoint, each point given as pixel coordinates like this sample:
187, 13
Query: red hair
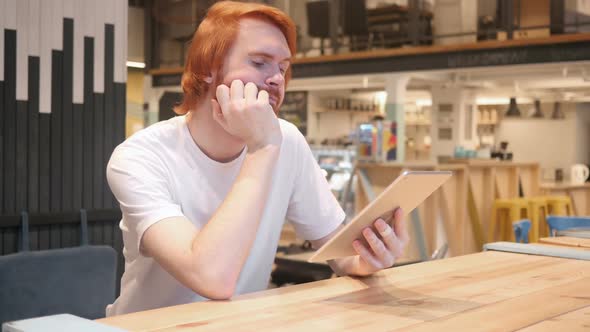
213, 39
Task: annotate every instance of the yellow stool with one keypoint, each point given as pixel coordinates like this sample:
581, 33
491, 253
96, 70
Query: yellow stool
560, 205
537, 214
510, 210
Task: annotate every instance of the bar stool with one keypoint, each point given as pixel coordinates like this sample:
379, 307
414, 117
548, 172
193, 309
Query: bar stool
510, 210
537, 213
560, 205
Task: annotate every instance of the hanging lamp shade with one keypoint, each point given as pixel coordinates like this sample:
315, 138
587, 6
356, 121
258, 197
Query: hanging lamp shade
538, 113
557, 112
513, 110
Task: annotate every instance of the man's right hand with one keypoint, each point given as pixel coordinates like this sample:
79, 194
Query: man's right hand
245, 112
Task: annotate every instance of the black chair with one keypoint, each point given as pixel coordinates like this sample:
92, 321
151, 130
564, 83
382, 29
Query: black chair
79, 281
318, 20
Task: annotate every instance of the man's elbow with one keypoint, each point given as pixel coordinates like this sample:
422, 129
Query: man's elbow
220, 294
215, 287
220, 291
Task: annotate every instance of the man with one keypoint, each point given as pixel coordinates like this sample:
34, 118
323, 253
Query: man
204, 195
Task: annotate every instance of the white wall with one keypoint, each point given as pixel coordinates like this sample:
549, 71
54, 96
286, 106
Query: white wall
552, 143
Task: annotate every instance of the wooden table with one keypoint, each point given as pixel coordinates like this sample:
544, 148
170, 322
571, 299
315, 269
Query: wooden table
579, 233
567, 241
487, 291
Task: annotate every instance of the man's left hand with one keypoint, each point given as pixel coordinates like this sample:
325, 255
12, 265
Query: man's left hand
384, 244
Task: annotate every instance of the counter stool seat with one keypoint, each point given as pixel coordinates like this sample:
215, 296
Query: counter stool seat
508, 211
560, 205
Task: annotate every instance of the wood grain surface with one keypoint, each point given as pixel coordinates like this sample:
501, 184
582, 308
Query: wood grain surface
567, 241
488, 291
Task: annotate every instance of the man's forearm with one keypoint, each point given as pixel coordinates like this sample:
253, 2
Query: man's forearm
224, 244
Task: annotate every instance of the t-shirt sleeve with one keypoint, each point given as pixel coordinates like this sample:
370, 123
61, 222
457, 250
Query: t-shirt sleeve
140, 182
313, 210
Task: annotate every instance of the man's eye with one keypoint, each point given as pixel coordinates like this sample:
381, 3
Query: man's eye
257, 63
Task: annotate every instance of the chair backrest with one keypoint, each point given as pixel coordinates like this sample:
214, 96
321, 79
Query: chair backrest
561, 223
318, 18
354, 17
79, 281
521, 230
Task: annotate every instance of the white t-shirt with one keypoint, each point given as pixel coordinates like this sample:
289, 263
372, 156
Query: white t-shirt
160, 172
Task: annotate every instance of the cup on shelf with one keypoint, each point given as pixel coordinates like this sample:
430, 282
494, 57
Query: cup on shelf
485, 116
493, 115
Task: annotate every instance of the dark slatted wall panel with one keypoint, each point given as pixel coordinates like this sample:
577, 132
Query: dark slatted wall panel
66, 115
53, 154
88, 119
9, 130
55, 160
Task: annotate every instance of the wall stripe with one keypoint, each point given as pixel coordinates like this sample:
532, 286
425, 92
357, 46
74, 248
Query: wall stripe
121, 42
44, 162
57, 11
56, 129
22, 136
123, 68
2, 107
88, 118
78, 145
78, 83
66, 89
22, 48
99, 14
68, 8
98, 146
45, 57
10, 14
9, 138
120, 104
89, 18
2, 23
33, 26
109, 109
110, 7
33, 133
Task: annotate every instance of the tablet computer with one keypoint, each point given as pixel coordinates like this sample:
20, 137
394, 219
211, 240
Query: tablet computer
407, 191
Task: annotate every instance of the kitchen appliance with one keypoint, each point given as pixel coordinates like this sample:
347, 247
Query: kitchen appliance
579, 173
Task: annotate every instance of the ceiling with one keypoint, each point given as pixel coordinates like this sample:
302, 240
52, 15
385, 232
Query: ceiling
548, 82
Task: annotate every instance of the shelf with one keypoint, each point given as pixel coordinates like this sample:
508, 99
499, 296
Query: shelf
345, 111
486, 123
412, 123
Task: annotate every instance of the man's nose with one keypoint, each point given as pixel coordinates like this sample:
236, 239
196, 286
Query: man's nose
276, 79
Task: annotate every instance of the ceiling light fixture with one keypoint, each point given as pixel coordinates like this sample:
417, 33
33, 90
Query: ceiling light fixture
513, 110
135, 64
538, 114
557, 112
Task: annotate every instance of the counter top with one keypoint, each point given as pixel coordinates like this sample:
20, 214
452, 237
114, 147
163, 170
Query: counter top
487, 291
564, 185
413, 165
491, 163
567, 241
433, 165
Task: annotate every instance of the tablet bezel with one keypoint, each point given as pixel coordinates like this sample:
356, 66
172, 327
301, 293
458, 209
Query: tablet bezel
340, 245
